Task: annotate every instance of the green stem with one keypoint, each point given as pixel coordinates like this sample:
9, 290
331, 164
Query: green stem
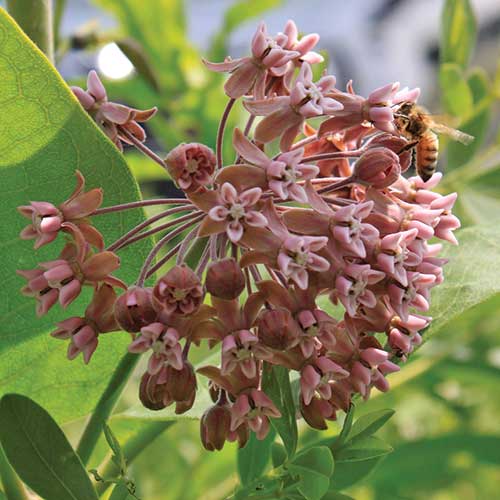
12, 485
35, 19
131, 449
105, 406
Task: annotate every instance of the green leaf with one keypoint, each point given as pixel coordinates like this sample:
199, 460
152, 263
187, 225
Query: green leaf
254, 457
278, 454
477, 124
369, 424
314, 466
276, 384
363, 449
39, 451
471, 277
348, 473
346, 428
236, 15
456, 93
458, 32
335, 495
44, 136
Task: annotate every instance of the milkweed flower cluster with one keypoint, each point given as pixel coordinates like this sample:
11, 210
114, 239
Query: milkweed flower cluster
328, 219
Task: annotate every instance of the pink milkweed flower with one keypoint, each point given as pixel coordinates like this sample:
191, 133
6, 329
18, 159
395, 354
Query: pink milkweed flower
283, 172
404, 335
447, 222
415, 294
351, 287
376, 109
318, 329
349, 230
377, 167
242, 349
235, 209
285, 115
249, 73
303, 46
253, 409
112, 117
164, 342
297, 256
39, 288
84, 332
395, 257
191, 165
71, 215
316, 378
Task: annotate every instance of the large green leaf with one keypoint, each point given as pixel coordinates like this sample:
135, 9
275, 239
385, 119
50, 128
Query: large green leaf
254, 457
458, 33
44, 136
456, 93
471, 277
39, 451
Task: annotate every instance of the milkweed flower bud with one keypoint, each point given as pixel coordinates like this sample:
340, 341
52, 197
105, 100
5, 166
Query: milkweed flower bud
277, 329
225, 279
377, 167
179, 291
191, 165
153, 394
134, 309
214, 427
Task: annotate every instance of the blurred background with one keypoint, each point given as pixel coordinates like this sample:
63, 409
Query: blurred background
446, 431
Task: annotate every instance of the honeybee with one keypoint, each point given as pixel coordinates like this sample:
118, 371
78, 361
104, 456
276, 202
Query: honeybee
415, 124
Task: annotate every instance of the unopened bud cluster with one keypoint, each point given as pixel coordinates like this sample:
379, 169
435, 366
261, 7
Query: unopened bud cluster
329, 218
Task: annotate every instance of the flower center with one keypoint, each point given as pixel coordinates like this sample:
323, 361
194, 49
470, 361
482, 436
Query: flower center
191, 166
237, 211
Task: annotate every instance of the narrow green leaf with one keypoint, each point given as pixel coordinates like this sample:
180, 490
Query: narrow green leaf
115, 447
363, 449
40, 452
346, 428
314, 466
278, 454
370, 423
276, 384
458, 32
252, 460
455, 91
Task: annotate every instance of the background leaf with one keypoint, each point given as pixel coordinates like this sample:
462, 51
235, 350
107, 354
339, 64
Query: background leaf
455, 91
39, 451
44, 136
458, 32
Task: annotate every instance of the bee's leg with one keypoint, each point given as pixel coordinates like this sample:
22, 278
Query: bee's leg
407, 147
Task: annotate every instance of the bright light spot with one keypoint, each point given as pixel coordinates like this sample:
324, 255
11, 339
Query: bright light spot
113, 63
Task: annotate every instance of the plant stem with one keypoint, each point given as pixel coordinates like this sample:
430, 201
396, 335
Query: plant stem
131, 449
162, 227
142, 147
163, 260
12, 485
105, 406
147, 222
35, 18
163, 241
142, 203
220, 132
337, 185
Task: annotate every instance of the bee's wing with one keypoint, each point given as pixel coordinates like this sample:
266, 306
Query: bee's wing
455, 134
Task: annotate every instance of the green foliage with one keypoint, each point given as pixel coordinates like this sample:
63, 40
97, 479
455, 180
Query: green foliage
276, 384
458, 33
471, 275
457, 96
254, 457
40, 452
46, 135
314, 466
